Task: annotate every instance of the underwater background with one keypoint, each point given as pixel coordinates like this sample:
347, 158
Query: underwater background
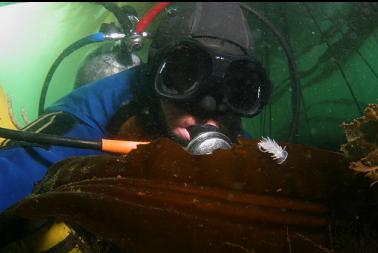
334, 45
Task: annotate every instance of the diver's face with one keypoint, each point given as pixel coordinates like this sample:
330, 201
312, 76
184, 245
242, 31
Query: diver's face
178, 120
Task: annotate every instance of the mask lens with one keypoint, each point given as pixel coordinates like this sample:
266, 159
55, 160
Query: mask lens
244, 87
181, 72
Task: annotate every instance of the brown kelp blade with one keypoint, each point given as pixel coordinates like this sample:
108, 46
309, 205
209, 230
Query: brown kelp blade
138, 213
306, 173
161, 199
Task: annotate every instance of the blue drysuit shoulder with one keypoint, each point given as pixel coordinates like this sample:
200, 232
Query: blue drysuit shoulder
96, 103
81, 114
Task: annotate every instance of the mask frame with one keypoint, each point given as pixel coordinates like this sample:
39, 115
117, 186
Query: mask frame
187, 70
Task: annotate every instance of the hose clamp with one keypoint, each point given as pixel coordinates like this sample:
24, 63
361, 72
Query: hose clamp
134, 41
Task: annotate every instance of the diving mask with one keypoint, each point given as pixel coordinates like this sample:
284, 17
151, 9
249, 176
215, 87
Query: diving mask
189, 72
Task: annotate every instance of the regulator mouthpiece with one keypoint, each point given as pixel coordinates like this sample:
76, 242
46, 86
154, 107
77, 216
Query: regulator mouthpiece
206, 139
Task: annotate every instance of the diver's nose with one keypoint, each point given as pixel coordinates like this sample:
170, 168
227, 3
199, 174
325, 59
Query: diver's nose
208, 103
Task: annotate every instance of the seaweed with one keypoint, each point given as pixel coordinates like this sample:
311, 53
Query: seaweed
159, 198
362, 146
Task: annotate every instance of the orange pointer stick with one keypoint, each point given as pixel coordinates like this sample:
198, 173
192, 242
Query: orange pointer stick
120, 146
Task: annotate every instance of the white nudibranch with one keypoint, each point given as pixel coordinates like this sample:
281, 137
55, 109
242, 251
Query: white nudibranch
267, 145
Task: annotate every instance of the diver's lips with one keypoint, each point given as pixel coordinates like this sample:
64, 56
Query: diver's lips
184, 134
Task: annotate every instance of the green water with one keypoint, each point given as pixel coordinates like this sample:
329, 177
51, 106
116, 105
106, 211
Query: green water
335, 47
36, 33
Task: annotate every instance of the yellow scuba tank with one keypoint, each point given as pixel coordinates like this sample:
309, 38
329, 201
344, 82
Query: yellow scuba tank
51, 237
6, 117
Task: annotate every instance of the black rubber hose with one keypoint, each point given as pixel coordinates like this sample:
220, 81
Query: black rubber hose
119, 13
124, 21
41, 138
296, 85
70, 49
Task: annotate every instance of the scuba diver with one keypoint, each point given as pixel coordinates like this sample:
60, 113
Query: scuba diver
201, 74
